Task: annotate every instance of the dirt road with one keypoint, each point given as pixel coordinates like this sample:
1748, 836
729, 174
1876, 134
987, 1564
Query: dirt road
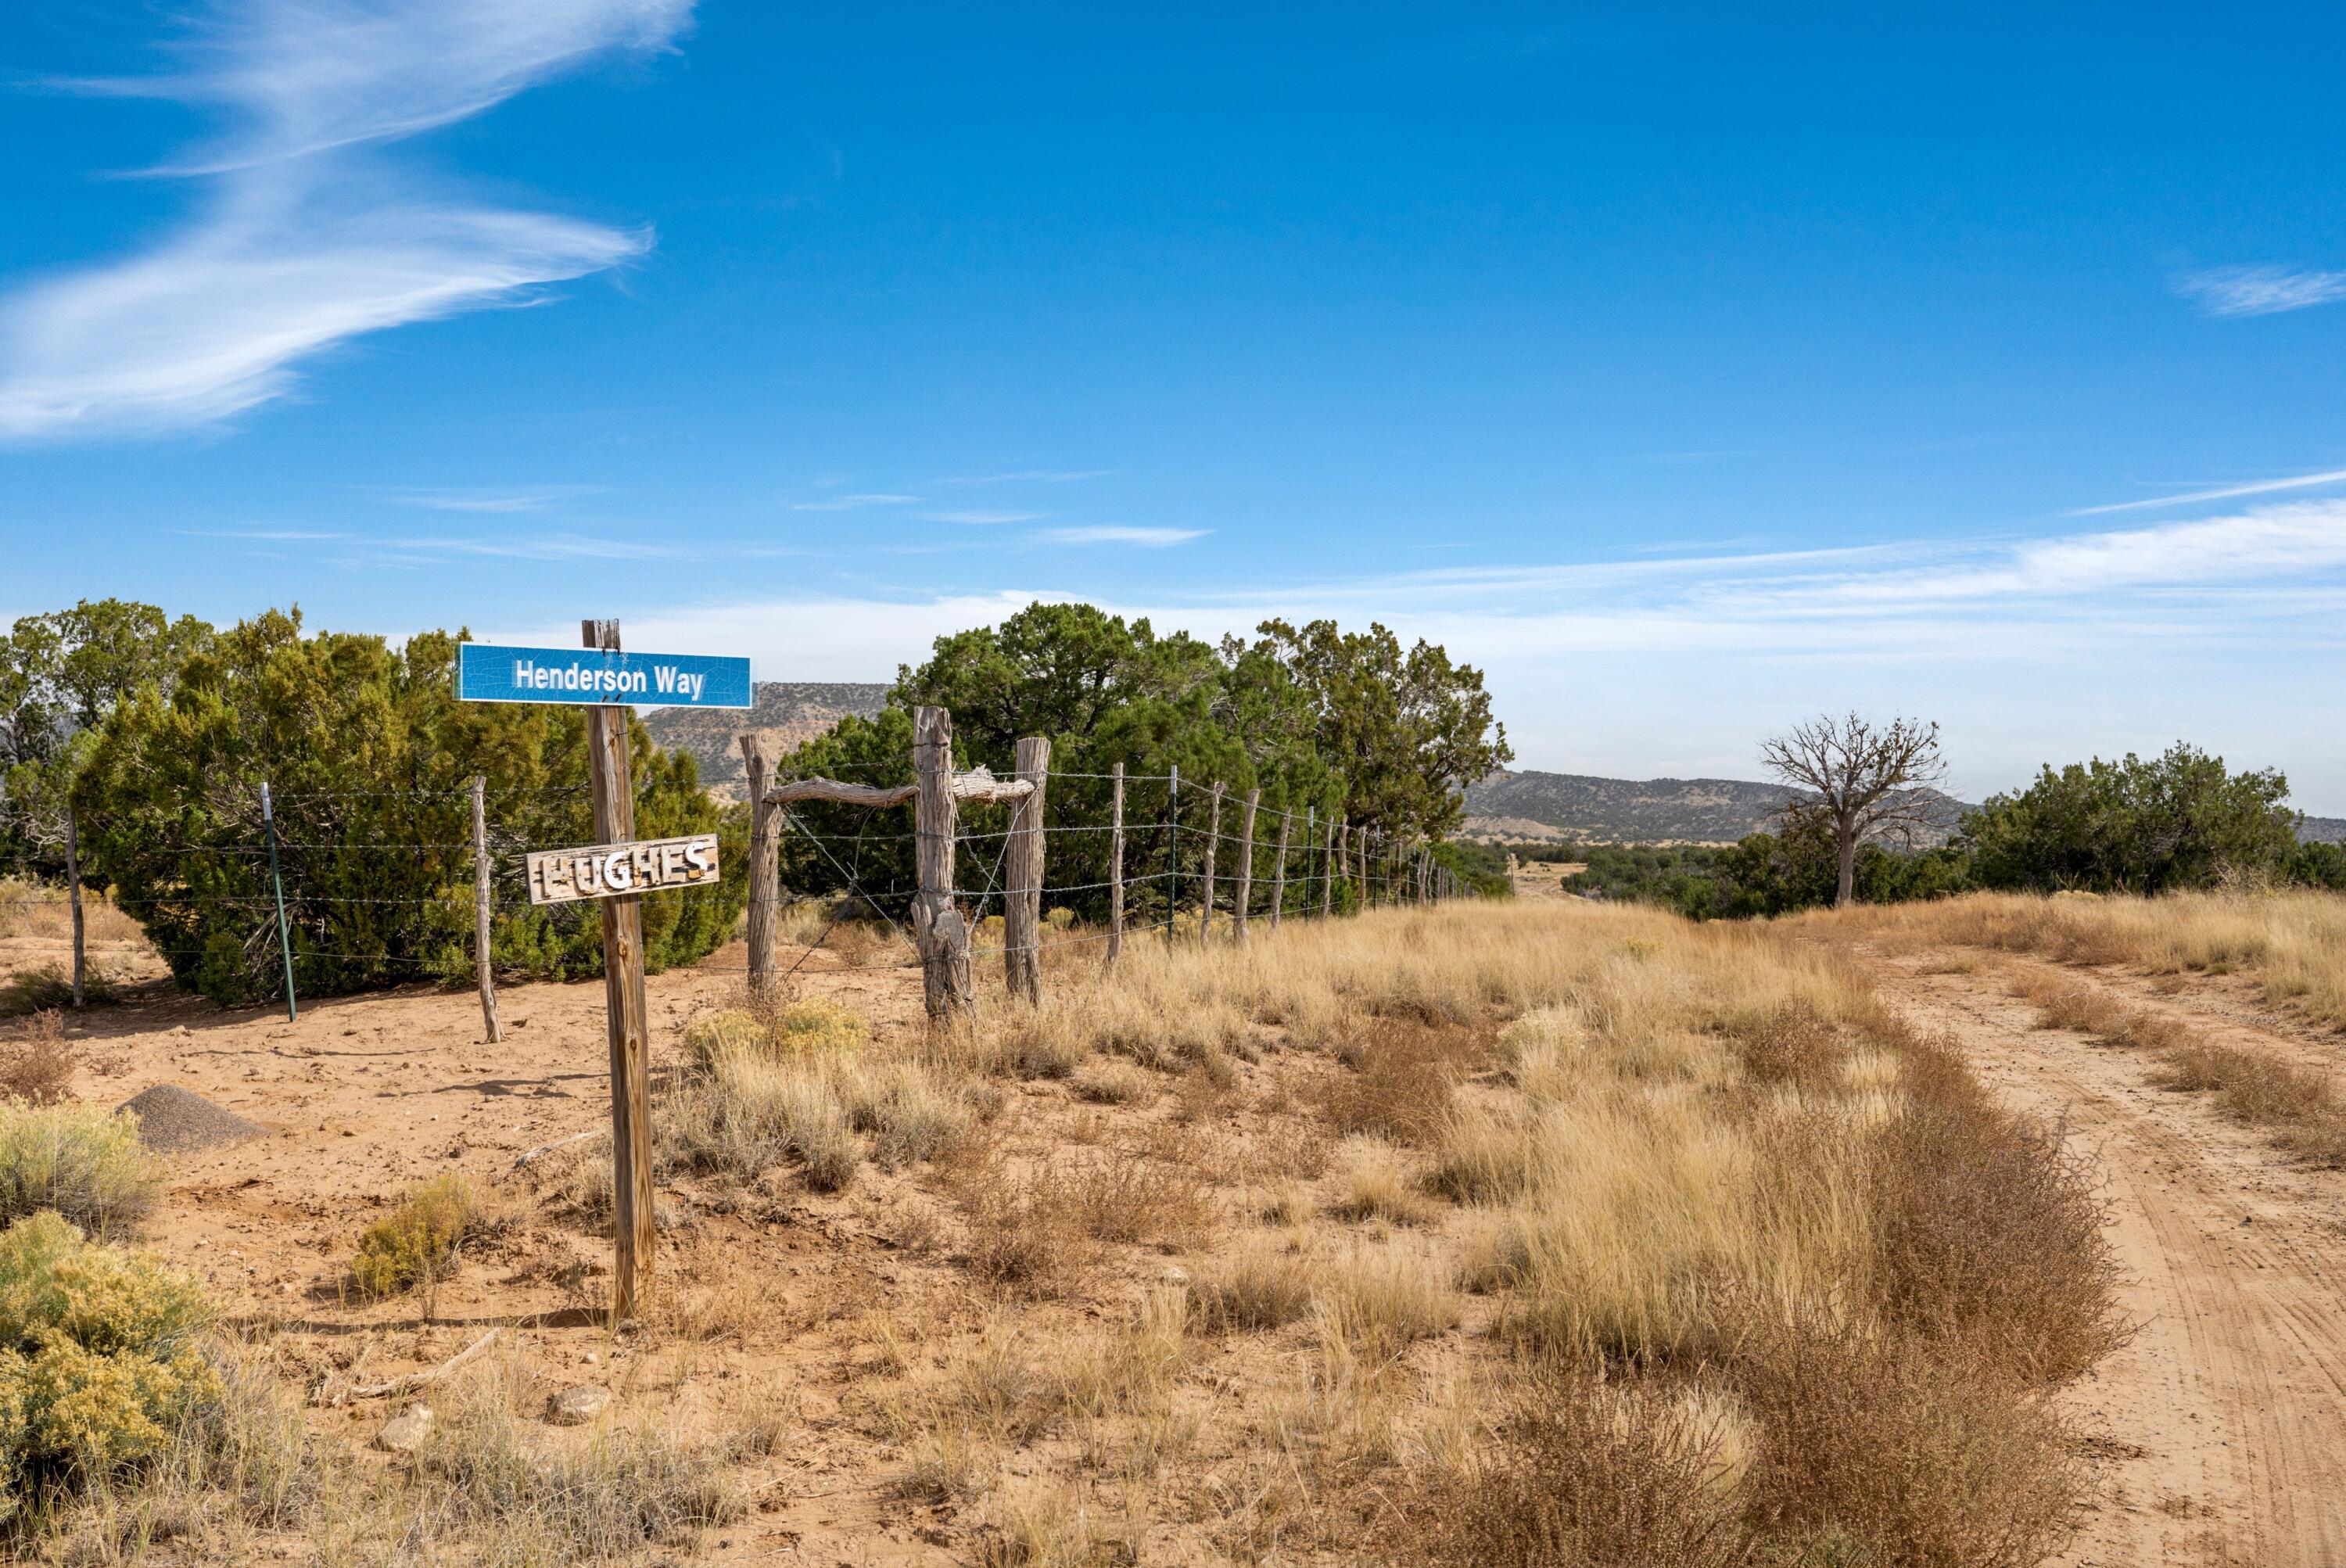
2223, 1425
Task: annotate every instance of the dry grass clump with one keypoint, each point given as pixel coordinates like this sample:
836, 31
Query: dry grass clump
47, 987
2293, 943
2303, 1108
1870, 1447
1403, 1076
1581, 1472
37, 1066
1378, 1182
1111, 1082
909, 1115
1989, 1234
2063, 1003
79, 1160
1259, 1284
416, 1242
518, 1501
1791, 1044
1371, 1304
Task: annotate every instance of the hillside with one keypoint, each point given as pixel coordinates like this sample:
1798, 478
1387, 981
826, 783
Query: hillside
1533, 805
787, 712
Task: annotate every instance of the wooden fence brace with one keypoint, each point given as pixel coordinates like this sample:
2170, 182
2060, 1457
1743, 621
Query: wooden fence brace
1278, 877
1213, 846
1116, 862
938, 931
765, 868
483, 975
614, 796
73, 897
1022, 902
1239, 911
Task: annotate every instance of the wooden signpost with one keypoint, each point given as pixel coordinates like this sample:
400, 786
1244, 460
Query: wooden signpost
615, 872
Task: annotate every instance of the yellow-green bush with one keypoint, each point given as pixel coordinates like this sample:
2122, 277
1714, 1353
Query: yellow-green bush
416, 1240
798, 1028
815, 1025
87, 1165
715, 1034
100, 1359
1059, 919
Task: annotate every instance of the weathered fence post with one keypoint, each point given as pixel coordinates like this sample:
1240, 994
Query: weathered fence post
1361, 848
1246, 866
1213, 845
73, 897
613, 795
765, 868
1022, 902
483, 974
1278, 877
937, 927
1116, 862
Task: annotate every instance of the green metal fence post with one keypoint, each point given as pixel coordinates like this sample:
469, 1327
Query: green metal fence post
277, 881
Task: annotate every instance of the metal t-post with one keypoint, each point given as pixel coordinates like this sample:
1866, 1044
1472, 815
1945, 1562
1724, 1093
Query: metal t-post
277, 883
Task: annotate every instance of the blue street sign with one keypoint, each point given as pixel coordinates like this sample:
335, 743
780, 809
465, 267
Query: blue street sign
486, 672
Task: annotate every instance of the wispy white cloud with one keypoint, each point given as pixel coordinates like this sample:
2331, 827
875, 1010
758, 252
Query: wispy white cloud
1120, 534
2220, 628
2223, 493
852, 503
1031, 476
305, 238
2261, 291
537, 498
982, 517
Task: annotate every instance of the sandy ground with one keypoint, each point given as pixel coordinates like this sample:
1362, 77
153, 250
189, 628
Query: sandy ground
2222, 1427
2220, 1431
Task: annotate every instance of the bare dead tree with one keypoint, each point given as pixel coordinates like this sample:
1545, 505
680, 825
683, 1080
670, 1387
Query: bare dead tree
1867, 780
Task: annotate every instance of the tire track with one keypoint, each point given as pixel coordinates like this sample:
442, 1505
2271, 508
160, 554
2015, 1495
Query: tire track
2225, 1421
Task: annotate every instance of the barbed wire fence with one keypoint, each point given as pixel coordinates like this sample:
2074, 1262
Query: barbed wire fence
1277, 865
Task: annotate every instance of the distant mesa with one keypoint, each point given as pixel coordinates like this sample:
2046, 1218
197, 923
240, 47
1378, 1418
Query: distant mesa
784, 714
1579, 806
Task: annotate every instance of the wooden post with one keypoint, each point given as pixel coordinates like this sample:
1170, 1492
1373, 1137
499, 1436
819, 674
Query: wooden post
613, 791
1116, 862
1362, 839
1022, 902
1213, 844
765, 868
1278, 877
1246, 866
1327, 869
482, 975
73, 897
937, 927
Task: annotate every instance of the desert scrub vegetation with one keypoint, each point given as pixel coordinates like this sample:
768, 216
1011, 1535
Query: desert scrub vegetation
37, 1066
101, 1361
797, 1079
2292, 942
1663, 1177
82, 1162
416, 1244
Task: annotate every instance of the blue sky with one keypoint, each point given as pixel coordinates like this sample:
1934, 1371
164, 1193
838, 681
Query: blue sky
1690, 371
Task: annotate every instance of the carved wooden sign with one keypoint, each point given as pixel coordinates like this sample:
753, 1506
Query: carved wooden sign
613, 871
